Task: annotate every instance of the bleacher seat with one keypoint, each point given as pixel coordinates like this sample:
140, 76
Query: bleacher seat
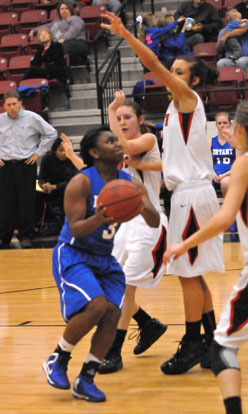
230, 3
3, 67
30, 19
13, 45
4, 5
20, 6
229, 77
216, 3
5, 86
38, 99
206, 52
155, 98
8, 21
53, 14
17, 67
92, 18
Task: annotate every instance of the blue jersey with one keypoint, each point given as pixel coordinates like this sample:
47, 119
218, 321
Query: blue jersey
100, 241
152, 36
223, 156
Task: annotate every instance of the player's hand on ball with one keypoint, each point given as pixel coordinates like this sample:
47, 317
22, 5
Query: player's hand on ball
100, 214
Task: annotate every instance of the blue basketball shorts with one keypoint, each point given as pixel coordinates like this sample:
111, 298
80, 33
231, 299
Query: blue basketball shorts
81, 277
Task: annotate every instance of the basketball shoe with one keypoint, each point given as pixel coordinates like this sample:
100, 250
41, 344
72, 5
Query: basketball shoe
85, 389
187, 356
55, 368
112, 362
206, 359
149, 333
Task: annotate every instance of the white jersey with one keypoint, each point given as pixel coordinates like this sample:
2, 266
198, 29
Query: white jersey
186, 155
138, 247
150, 179
232, 330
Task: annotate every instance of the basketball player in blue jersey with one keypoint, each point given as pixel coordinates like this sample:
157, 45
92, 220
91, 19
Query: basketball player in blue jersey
90, 281
222, 152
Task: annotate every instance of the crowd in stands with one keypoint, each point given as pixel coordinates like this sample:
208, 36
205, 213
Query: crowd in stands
168, 36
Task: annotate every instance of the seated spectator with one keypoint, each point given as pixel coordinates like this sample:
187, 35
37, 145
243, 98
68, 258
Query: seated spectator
223, 154
241, 34
150, 33
49, 60
242, 7
232, 45
69, 30
56, 170
206, 18
112, 5
172, 43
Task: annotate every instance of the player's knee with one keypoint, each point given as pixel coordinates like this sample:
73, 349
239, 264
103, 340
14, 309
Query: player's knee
97, 307
113, 314
223, 358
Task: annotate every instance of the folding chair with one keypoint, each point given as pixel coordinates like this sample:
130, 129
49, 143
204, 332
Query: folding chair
5, 86
30, 19
4, 5
8, 21
230, 3
17, 67
13, 45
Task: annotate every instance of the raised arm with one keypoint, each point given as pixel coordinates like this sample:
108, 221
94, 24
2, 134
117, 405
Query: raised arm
179, 89
135, 146
77, 161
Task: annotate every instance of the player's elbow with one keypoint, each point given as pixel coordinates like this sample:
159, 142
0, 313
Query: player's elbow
154, 220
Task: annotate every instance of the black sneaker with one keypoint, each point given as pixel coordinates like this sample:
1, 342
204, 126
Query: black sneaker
149, 334
206, 360
111, 363
187, 356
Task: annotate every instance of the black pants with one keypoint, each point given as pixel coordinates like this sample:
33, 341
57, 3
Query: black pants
17, 199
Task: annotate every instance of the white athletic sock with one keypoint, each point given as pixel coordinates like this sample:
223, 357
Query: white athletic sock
91, 357
65, 346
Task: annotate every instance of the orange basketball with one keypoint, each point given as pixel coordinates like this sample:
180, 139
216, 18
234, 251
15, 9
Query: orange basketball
122, 200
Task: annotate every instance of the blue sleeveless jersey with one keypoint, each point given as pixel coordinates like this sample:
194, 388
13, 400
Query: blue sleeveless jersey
223, 156
100, 241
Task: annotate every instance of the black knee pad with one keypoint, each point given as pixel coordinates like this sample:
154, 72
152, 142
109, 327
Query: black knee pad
223, 358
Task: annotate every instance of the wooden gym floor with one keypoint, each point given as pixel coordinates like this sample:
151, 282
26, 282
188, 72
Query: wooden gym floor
31, 325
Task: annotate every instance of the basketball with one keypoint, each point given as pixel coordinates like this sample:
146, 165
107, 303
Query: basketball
122, 200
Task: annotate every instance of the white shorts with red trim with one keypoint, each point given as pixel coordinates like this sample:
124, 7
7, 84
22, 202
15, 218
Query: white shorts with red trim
232, 329
191, 207
139, 250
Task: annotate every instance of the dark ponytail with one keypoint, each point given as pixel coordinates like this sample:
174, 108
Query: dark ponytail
206, 73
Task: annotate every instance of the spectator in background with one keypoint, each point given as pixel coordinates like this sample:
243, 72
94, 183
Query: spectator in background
206, 18
49, 60
150, 33
172, 43
69, 30
242, 7
112, 5
232, 45
242, 34
24, 136
222, 152
56, 170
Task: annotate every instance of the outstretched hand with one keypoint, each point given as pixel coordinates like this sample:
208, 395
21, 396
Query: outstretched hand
173, 252
67, 144
118, 101
115, 25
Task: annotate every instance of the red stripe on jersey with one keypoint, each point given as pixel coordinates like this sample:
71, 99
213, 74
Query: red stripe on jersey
238, 313
158, 251
166, 119
191, 227
180, 115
